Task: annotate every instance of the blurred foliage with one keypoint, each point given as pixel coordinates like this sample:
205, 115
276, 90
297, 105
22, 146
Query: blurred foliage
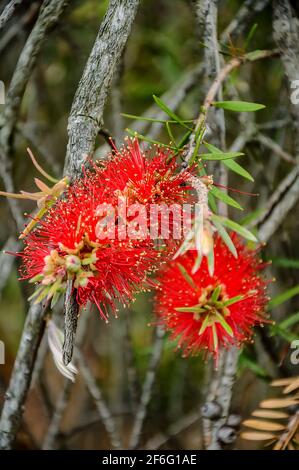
164, 43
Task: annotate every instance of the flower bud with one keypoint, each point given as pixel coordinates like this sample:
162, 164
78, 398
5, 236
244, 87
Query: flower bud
72, 263
234, 421
211, 410
227, 434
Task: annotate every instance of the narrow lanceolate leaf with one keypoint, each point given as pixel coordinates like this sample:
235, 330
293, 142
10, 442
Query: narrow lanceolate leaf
282, 382
278, 403
211, 262
233, 300
204, 325
281, 298
144, 118
224, 324
133, 133
216, 293
271, 414
187, 276
226, 238
225, 198
215, 337
212, 202
168, 111
286, 263
192, 309
244, 232
238, 106
220, 155
257, 436
263, 425
293, 386
290, 321
234, 166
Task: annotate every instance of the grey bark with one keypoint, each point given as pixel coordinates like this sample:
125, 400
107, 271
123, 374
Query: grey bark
86, 117
71, 312
21, 376
286, 36
34, 325
243, 18
147, 388
8, 12
50, 12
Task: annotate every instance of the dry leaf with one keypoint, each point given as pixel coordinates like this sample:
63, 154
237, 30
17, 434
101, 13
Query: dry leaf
293, 386
257, 436
263, 425
278, 403
270, 414
282, 382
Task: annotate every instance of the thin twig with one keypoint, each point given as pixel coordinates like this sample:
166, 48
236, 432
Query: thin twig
174, 429
8, 12
99, 401
243, 18
275, 147
147, 388
286, 36
21, 375
34, 326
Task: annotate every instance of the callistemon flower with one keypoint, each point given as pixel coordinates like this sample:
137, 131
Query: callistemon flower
144, 178
67, 245
206, 312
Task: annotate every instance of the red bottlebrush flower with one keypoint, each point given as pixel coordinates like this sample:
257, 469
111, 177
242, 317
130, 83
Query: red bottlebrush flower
66, 244
143, 179
207, 312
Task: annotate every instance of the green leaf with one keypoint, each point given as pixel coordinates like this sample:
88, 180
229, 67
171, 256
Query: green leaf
212, 202
168, 111
225, 198
211, 147
224, 324
211, 262
290, 321
216, 293
184, 139
233, 300
246, 361
226, 238
234, 166
193, 309
220, 155
146, 139
286, 335
187, 277
239, 106
251, 217
286, 262
250, 36
170, 134
215, 336
281, 298
204, 325
244, 232
143, 118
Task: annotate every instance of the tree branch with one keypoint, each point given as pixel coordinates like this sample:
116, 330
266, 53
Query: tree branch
8, 12
86, 116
